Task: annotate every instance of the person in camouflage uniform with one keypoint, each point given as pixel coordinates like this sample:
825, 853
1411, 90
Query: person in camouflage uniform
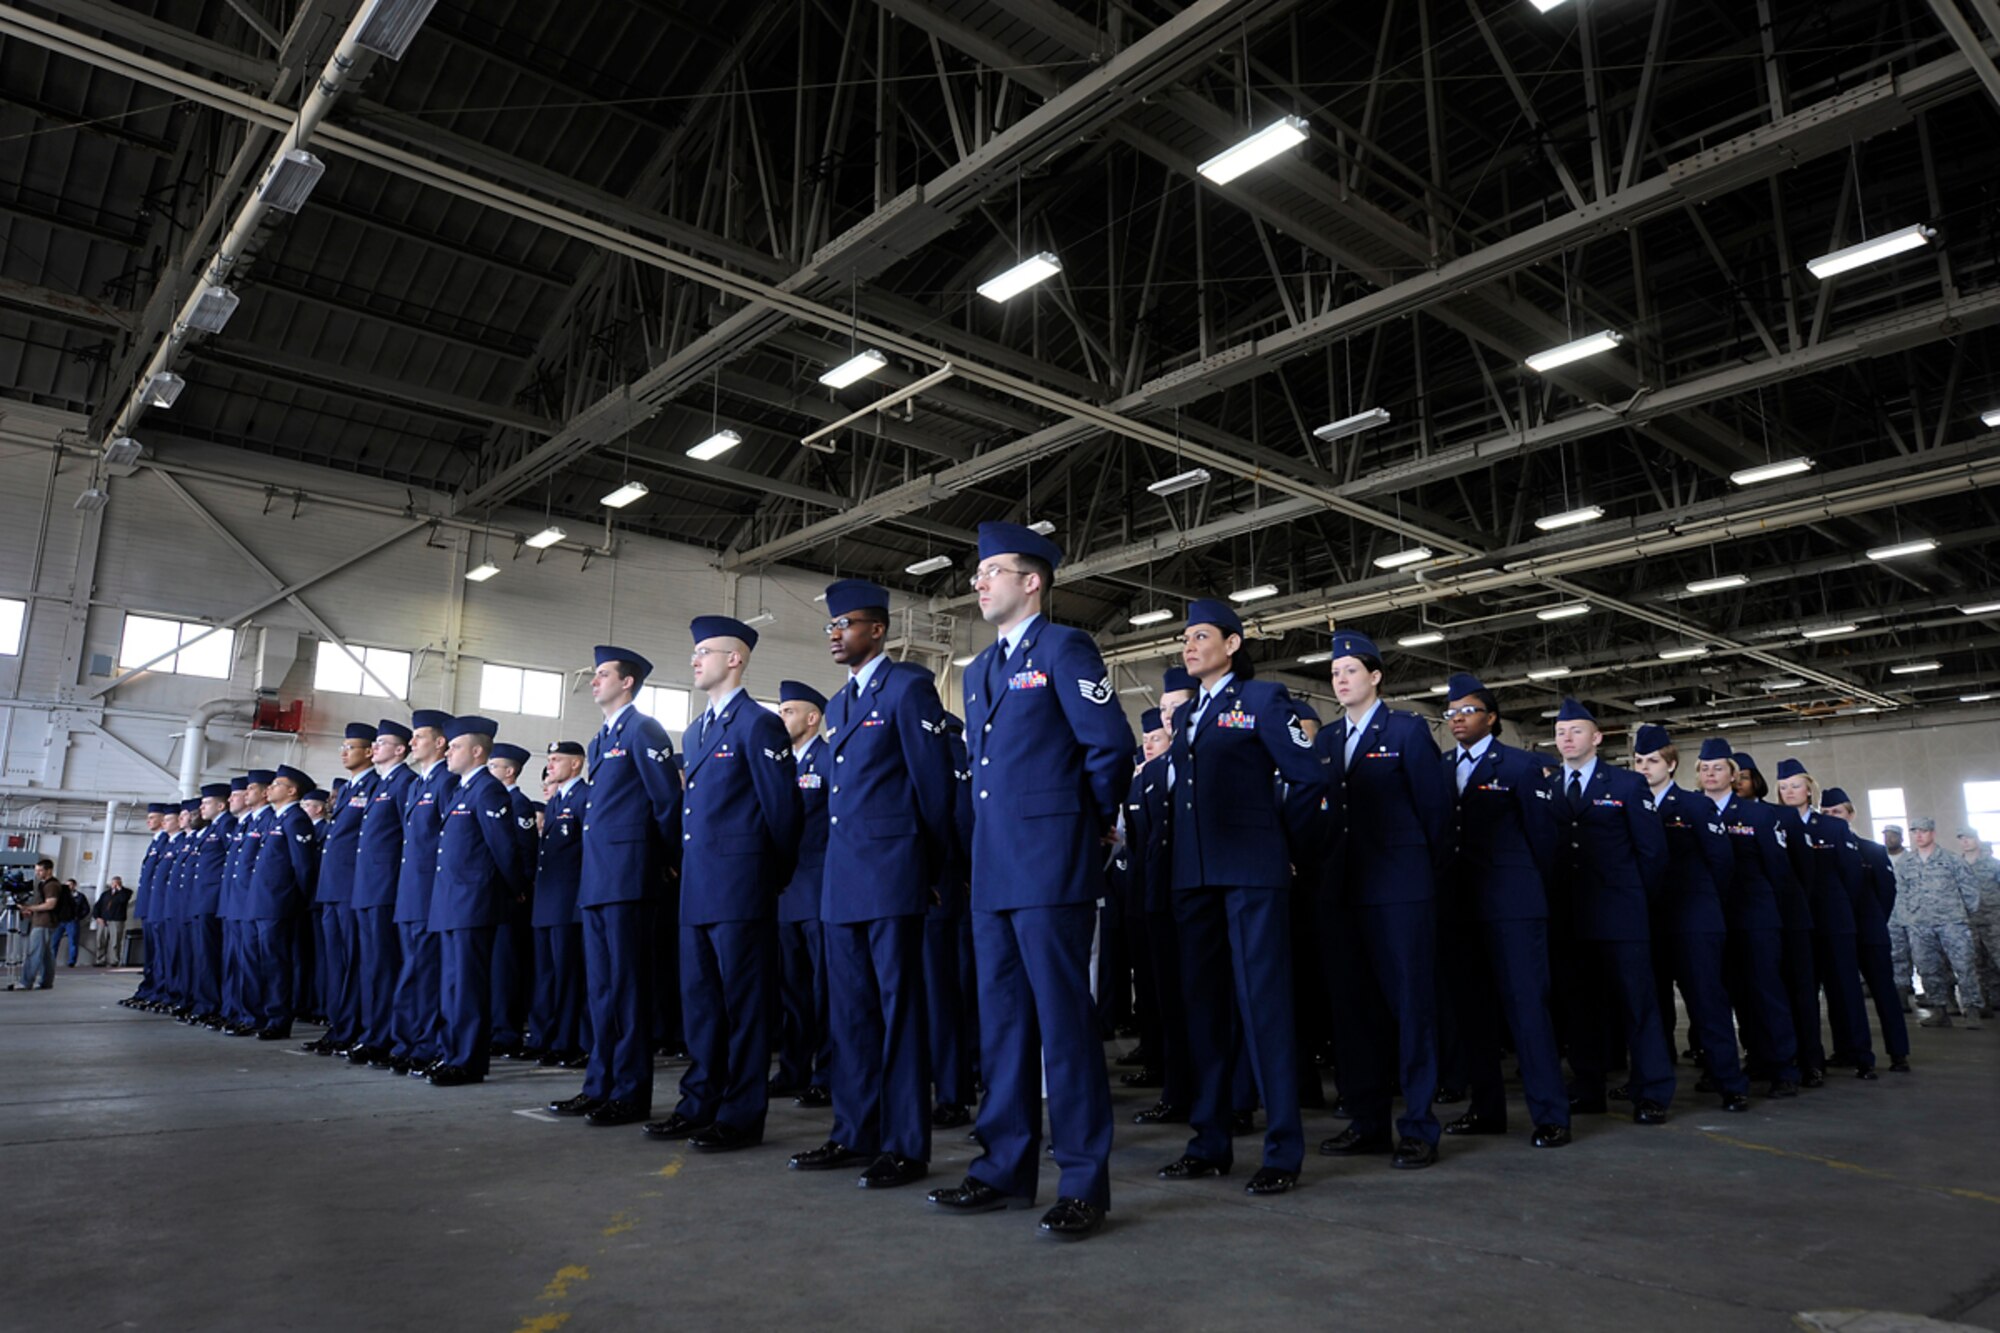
1985, 869
1937, 892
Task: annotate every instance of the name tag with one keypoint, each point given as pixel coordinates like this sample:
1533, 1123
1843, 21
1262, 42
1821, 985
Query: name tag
1028, 680
1237, 720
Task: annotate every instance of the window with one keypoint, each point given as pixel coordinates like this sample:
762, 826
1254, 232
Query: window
13, 614
668, 704
339, 669
1886, 807
177, 646
1982, 809
508, 689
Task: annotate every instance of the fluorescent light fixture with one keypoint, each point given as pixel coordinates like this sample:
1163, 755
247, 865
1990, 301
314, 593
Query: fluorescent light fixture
1915, 546
1354, 425
1796, 744
1548, 673
1440, 689
92, 499
1546, 5
162, 389
1784, 683
1828, 631
761, 619
1656, 701
1566, 612
1551, 712
1871, 708
391, 25
1256, 150
1915, 668
1784, 467
212, 309
1006, 286
483, 573
1180, 481
546, 538
1313, 659
1544, 362
1256, 594
1991, 418
715, 446
966, 660
1421, 640
929, 565
854, 369
1042, 526
1409, 555
1570, 518
1871, 251
123, 452
1974, 698
624, 495
1720, 583
1683, 654
1737, 722
1152, 617
290, 180
1983, 609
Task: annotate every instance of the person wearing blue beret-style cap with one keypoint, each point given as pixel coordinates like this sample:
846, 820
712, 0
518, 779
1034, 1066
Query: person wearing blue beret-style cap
1494, 935
416, 1024
558, 1015
631, 816
1229, 870
847, 597
1690, 933
797, 691
805, 1044
141, 908
1390, 813
376, 801
1884, 948
1041, 717
1754, 951
1828, 865
1611, 854
281, 883
200, 936
254, 820
513, 935
1149, 722
1795, 907
337, 962
1162, 1006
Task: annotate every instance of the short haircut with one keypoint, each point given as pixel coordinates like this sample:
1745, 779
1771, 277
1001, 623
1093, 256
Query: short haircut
1487, 700
1373, 663
1672, 754
1034, 564
45, 862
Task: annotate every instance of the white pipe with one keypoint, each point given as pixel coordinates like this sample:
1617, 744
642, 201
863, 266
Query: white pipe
194, 743
104, 847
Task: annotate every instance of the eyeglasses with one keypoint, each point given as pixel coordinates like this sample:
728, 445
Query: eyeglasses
700, 653
1466, 710
989, 573
845, 623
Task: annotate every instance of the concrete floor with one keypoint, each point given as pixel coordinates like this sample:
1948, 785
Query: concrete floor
245, 1186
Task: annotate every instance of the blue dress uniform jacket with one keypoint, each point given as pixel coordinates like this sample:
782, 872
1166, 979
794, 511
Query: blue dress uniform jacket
1756, 935
378, 859
740, 815
424, 806
804, 1048
211, 859
378, 849
204, 935
1392, 811
1835, 886
286, 869
1750, 900
1700, 863
1050, 754
1872, 906
559, 859
1690, 931
889, 799
479, 872
800, 899
1237, 836
142, 897
555, 1017
340, 849
1504, 846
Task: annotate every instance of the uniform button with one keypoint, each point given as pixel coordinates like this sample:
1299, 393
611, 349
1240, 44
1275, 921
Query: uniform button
982, 796
983, 761
836, 791
833, 819
686, 810
687, 837
586, 828
840, 759
987, 727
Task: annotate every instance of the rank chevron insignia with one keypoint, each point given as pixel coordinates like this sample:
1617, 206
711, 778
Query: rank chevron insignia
1095, 691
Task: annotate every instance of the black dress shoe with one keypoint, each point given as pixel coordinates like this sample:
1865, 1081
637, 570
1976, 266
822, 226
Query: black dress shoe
824, 1158
1474, 1123
1137, 1056
1621, 1093
1270, 1180
892, 1169
616, 1112
1707, 1083
675, 1126
1072, 1219
453, 1076
401, 1064
1735, 1102
1812, 1078
1588, 1106
1551, 1136
1414, 1155
1842, 1060
1867, 1075
423, 1068
974, 1196
1161, 1113
814, 1099
509, 1050
1351, 1142
534, 1053
1648, 1113
1449, 1096
950, 1115
1143, 1078
581, 1104
361, 1053
576, 1060
1190, 1167
1900, 1065
719, 1137
1241, 1123
1783, 1088
274, 1034
550, 1059
317, 1046
1340, 1110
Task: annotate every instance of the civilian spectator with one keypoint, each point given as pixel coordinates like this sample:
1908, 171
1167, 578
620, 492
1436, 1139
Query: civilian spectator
72, 920
39, 914
113, 905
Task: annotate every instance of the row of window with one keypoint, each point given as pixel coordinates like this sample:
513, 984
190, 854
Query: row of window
1887, 806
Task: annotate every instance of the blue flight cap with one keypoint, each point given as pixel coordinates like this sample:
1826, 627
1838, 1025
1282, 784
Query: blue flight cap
1574, 711
319, 794
722, 627
1150, 720
1463, 684
435, 718
295, 777
1790, 768
1350, 643
567, 747
1179, 678
157, 807
1651, 739
191, 806
1208, 611
390, 727
360, 731
218, 790
845, 595
1744, 761
1715, 748
261, 777
513, 754
607, 652
1013, 539
238, 784
470, 725
1832, 796
798, 692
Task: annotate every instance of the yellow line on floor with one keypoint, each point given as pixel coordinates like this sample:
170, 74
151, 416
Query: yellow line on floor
1855, 1168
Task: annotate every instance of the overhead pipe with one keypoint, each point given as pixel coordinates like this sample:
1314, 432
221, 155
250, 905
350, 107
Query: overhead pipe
194, 743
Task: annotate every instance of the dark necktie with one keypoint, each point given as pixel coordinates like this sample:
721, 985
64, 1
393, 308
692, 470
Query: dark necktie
701, 731
854, 688
1465, 756
1575, 790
